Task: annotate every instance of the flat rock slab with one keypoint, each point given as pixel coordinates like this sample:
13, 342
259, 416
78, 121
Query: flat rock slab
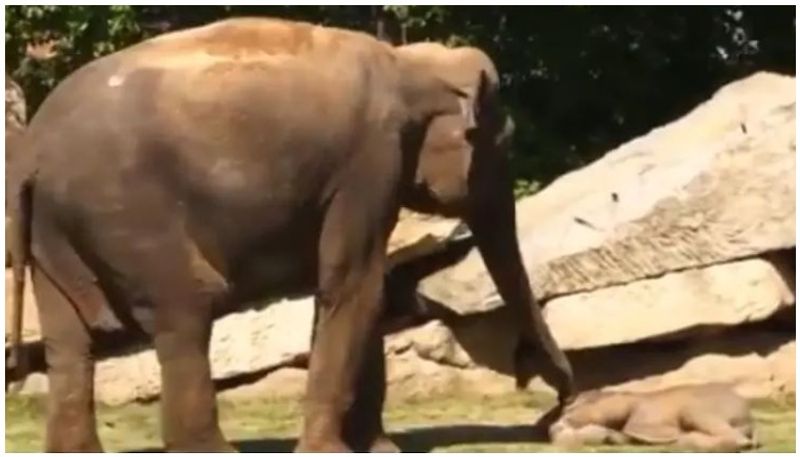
241, 343
677, 307
728, 294
711, 187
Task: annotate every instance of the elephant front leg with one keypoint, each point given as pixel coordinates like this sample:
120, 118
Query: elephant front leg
347, 319
351, 270
363, 429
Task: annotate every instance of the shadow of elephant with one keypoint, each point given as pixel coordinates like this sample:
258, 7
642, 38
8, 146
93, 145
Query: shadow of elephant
427, 438
418, 439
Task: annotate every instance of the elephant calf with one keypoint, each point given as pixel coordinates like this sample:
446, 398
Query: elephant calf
706, 417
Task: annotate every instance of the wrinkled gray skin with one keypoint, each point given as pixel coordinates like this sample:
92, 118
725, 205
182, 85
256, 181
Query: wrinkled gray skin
250, 158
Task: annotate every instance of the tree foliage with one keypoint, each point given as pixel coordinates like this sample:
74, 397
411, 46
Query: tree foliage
579, 80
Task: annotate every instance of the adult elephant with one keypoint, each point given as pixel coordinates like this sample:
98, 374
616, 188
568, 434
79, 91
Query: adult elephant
204, 168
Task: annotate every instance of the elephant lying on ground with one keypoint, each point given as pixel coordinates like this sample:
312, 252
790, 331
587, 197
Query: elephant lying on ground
249, 158
706, 417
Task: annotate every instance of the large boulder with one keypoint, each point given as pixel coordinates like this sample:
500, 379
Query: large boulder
725, 294
252, 342
714, 186
645, 259
758, 361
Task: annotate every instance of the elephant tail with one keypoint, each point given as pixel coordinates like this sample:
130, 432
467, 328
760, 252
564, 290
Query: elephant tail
18, 209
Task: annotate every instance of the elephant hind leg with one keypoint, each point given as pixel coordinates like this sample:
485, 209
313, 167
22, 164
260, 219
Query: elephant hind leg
71, 424
188, 398
182, 295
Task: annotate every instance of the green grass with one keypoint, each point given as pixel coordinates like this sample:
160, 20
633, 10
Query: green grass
466, 423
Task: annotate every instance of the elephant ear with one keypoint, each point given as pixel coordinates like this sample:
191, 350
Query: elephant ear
488, 110
483, 95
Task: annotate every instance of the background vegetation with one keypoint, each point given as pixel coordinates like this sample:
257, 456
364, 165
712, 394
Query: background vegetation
579, 79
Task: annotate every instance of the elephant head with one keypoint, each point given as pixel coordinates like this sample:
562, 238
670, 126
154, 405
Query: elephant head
462, 171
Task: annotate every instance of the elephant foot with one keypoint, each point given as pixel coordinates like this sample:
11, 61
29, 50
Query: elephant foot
322, 446
89, 444
384, 444
221, 449
211, 445
90, 448
227, 448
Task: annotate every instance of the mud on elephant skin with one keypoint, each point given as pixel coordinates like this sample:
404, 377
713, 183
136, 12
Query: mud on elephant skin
152, 209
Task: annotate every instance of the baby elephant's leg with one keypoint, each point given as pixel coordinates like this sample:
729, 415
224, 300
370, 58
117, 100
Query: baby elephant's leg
697, 441
594, 434
712, 433
586, 435
617, 438
703, 442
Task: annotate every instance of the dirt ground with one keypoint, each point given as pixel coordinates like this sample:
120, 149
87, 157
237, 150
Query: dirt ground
440, 424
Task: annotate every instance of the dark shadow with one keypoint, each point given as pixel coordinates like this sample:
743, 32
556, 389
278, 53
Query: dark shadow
269, 445
611, 365
422, 439
600, 367
425, 439
419, 439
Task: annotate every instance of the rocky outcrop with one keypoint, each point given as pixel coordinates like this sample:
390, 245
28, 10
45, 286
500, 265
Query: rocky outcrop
258, 339
724, 294
758, 363
673, 238
676, 238
714, 186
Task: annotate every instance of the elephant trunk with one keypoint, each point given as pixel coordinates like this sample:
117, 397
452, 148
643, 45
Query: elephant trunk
492, 219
